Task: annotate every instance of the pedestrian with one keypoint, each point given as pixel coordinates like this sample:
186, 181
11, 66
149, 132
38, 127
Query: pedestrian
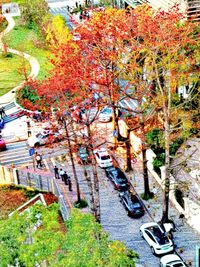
154, 191
61, 173
2, 112
81, 17
38, 159
66, 178
56, 172
70, 183
28, 127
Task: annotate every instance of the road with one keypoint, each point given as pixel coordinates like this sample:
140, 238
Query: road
16, 153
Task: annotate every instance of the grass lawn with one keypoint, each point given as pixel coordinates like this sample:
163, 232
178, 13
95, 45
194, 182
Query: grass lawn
11, 72
29, 41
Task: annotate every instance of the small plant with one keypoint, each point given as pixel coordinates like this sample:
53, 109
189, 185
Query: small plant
80, 204
175, 146
158, 162
148, 196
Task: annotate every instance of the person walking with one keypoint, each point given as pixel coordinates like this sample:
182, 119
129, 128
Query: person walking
56, 172
61, 173
38, 159
2, 112
66, 178
69, 183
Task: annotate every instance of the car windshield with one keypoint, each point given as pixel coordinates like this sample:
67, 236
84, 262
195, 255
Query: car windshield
105, 157
106, 111
175, 264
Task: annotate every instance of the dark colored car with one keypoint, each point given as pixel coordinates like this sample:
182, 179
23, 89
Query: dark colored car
118, 178
132, 204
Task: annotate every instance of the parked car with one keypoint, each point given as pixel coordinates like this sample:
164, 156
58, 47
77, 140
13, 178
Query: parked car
171, 260
44, 138
106, 114
118, 178
157, 239
132, 204
103, 159
83, 156
2, 144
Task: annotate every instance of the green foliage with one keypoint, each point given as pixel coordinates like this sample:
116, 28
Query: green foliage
37, 236
80, 204
155, 139
147, 196
28, 93
34, 12
7, 55
158, 162
174, 146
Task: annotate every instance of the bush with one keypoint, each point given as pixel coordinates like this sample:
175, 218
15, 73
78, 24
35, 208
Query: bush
80, 204
175, 146
155, 139
158, 162
179, 197
148, 196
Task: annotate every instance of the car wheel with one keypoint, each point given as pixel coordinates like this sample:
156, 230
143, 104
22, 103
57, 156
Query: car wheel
141, 234
153, 251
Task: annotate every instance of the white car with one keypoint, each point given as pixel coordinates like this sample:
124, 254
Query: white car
157, 239
103, 159
40, 139
171, 260
106, 114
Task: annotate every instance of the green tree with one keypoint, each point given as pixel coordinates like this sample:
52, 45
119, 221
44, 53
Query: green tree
39, 237
34, 12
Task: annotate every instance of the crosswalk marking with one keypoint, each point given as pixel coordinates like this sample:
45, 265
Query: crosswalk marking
16, 153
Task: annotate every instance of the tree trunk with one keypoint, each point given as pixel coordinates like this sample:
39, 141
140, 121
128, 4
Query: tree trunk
147, 192
165, 213
128, 152
95, 177
73, 165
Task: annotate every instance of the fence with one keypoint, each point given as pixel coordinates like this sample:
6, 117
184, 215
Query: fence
41, 182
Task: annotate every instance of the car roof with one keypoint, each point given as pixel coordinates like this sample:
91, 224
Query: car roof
169, 258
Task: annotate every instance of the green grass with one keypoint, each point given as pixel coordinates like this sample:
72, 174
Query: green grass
30, 41
11, 72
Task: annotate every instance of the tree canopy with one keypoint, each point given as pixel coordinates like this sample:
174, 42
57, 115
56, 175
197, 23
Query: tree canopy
40, 236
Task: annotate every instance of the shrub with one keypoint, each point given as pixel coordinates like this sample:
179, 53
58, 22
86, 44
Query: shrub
175, 146
155, 139
158, 162
80, 204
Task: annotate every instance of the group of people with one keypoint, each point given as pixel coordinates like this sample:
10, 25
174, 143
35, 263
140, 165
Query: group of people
64, 176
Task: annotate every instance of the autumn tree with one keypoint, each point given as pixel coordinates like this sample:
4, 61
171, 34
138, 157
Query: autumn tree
164, 43
57, 32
